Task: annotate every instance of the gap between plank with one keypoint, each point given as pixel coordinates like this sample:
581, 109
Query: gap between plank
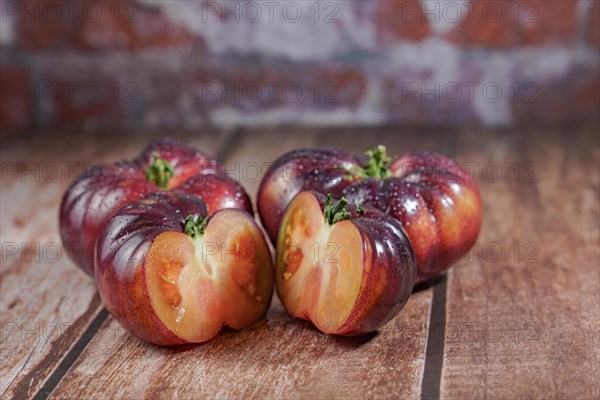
228, 145
71, 356
434, 355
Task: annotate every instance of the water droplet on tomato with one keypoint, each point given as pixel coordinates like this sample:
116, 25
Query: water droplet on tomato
180, 315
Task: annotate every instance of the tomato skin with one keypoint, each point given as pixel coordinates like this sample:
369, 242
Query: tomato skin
93, 197
387, 275
437, 202
121, 254
394, 263
103, 189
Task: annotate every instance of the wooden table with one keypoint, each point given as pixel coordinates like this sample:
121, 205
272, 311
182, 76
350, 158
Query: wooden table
519, 317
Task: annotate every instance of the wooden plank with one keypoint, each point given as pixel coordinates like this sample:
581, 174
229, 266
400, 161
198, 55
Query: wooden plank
46, 303
526, 323
254, 152
279, 357
512, 328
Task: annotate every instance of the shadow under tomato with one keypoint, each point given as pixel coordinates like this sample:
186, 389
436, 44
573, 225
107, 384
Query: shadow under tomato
350, 342
428, 284
233, 339
353, 342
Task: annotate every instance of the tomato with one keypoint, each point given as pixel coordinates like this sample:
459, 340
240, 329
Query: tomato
435, 199
172, 274
165, 165
347, 269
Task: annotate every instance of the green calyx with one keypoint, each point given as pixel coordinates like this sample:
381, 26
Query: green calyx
377, 165
195, 225
160, 172
335, 211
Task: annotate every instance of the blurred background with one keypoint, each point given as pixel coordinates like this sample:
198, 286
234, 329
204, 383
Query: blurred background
141, 65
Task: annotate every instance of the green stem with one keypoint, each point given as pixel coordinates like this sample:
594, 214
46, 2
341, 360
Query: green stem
195, 225
377, 166
335, 211
160, 171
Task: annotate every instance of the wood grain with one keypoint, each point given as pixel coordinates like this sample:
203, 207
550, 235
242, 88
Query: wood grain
46, 302
526, 323
511, 328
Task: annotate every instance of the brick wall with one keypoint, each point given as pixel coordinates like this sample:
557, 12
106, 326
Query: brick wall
169, 64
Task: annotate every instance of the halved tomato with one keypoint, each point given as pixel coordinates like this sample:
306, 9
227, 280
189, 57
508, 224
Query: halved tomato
346, 269
171, 275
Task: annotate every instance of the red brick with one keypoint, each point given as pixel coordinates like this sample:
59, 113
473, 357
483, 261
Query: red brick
99, 25
594, 24
503, 24
138, 28
414, 97
37, 29
15, 103
401, 20
319, 87
78, 97
174, 98
349, 85
569, 99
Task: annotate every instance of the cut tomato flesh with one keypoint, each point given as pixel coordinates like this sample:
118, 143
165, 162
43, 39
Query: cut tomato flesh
244, 277
222, 278
322, 284
181, 293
